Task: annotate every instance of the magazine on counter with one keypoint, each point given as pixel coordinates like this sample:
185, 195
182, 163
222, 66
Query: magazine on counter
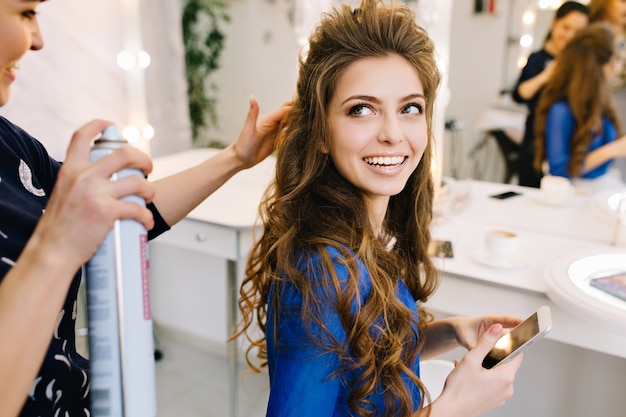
614, 284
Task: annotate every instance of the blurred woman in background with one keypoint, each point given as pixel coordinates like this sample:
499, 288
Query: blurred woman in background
569, 18
613, 13
577, 128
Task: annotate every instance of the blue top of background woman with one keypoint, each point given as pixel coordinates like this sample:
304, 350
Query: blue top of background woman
577, 128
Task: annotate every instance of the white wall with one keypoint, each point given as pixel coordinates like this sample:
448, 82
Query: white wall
75, 77
477, 44
259, 58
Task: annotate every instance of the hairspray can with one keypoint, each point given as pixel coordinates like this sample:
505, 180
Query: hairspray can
121, 343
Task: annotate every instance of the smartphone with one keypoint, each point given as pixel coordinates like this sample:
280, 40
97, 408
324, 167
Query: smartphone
614, 284
511, 344
505, 195
440, 249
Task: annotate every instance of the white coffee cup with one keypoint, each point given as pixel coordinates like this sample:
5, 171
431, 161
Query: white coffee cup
501, 244
556, 190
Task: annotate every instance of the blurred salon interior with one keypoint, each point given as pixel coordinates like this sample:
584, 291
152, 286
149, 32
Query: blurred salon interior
124, 60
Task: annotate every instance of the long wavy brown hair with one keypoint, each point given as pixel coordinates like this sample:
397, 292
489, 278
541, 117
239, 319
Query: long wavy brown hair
579, 80
310, 207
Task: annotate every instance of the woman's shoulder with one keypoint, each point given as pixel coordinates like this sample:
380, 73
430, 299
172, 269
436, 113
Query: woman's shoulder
337, 256
561, 109
16, 139
327, 268
539, 59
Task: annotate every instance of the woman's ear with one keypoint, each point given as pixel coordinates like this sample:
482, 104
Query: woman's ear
323, 148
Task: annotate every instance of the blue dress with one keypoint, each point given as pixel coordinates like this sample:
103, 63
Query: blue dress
300, 372
560, 128
27, 177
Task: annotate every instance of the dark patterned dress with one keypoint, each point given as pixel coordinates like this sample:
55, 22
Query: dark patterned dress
27, 177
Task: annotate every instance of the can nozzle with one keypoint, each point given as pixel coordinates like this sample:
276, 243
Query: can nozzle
112, 133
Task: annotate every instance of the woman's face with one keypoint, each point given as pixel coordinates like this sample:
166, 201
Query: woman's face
564, 29
19, 32
378, 127
612, 68
616, 13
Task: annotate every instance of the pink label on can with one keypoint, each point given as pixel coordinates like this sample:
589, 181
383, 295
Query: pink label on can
145, 277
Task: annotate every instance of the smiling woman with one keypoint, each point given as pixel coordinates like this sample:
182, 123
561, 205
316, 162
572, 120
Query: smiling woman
336, 277
378, 131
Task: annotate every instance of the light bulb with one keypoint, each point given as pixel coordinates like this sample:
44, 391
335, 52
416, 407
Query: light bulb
131, 133
148, 131
521, 61
126, 60
144, 59
526, 41
528, 18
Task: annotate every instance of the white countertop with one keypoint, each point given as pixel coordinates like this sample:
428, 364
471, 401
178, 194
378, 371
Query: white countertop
539, 249
234, 205
577, 219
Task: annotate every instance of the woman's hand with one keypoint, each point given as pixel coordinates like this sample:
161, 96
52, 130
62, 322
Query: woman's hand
468, 330
257, 137
471, 389
85, 203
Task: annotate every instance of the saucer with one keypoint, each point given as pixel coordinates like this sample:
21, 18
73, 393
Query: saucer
541, 200
516, 261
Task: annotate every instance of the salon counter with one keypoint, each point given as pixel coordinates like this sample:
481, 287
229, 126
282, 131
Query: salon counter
223, 227
472, 286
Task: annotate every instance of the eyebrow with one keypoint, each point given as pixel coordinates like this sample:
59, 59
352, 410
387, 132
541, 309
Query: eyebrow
376, 100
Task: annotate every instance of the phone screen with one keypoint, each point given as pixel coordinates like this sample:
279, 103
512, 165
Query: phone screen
440, 249
505, 195
614, 284
514, 340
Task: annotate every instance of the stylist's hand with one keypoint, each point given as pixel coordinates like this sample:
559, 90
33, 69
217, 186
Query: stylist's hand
548, 70
470, 389
469, 329
85, 203
258, 135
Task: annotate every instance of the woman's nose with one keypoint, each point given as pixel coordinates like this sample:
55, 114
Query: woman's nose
390, 130
36, 38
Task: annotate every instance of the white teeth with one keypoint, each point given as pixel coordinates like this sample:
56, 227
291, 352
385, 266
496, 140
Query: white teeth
384, 160
14, 65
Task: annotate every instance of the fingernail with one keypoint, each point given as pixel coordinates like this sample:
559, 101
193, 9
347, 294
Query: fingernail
496, 329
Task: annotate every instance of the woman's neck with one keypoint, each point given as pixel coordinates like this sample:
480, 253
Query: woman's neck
551, 48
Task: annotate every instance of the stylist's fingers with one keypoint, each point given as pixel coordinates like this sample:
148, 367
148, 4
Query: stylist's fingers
132, 185
77, 156
258, 135
249, 125
269, 123
81, 142
126, 156
130, 210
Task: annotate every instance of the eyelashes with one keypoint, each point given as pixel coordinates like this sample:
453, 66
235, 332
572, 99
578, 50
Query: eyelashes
363, 109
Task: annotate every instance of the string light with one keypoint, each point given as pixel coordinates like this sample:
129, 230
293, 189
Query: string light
528, 18
144, 59
131, 134
134, 134
128, 60
526, 41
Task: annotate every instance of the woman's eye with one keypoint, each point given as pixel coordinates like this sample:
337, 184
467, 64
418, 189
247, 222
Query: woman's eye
413, 109
29, 14
360, 110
